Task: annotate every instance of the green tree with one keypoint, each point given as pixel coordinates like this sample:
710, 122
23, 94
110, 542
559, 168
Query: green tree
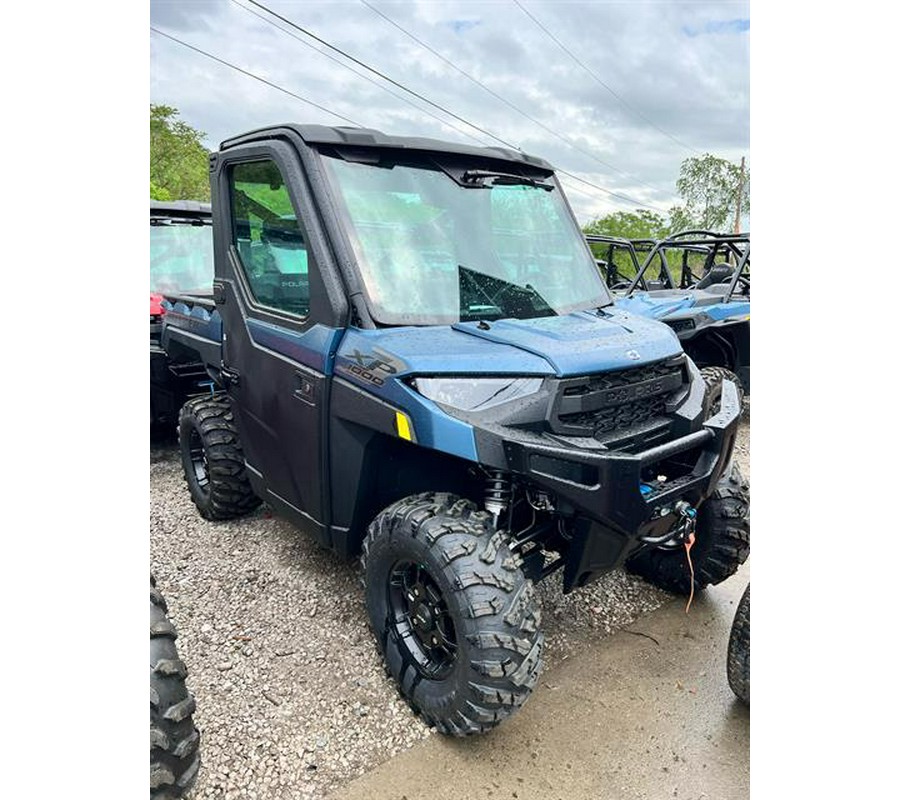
179, 163
640, 224
159, 192
710, 187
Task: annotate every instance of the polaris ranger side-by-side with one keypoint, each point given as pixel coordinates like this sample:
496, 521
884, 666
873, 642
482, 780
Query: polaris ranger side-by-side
416, 359
623, 260
709, 309
181, 260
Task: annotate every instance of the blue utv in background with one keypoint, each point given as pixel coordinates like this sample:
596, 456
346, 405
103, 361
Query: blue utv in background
181, 260
708, 306
415, 359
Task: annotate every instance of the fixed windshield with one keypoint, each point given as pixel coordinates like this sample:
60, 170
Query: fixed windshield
181, 257
433, 249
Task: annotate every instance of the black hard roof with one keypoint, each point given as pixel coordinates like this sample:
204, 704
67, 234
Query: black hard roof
369, 137
180, 208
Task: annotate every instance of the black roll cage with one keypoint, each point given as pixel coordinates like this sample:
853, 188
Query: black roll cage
613, 242
709, 243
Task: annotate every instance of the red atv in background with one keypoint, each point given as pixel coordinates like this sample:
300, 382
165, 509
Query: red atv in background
181, 263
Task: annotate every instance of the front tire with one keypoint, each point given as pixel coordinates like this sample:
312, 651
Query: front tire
174, 740
722, 542
457, 622
213, 460
713, 377
739, 650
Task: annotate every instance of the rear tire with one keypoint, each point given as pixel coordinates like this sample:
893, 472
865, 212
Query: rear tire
713, 377
722, 542
457, 622
174, 740
213, 460
739, 650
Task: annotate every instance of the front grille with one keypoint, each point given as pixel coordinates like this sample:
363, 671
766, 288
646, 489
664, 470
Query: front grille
614, 406
608, 420
624, 377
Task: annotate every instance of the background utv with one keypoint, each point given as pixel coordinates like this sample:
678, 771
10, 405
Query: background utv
181, 260
708, 306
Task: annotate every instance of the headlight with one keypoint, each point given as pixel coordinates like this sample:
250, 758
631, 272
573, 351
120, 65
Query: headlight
476, 394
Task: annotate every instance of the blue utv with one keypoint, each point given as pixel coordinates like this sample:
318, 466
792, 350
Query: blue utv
181, 260
708, 306
415, 359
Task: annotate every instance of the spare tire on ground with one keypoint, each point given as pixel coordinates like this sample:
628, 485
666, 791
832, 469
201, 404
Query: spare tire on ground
174, 740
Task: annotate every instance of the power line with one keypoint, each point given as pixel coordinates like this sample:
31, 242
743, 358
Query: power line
256, 77
506, 102
399, 85
571, 188
606, 86
358, 73
612, 193
383, 76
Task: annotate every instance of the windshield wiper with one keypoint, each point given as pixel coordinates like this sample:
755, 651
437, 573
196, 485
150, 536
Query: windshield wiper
470, 274
523, 302
478, 176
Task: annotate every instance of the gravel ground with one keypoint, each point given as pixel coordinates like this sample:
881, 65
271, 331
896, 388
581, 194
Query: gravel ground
292, 700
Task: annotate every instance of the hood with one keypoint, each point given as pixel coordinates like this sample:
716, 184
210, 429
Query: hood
583, 342
572, 344
674, 302
657, 304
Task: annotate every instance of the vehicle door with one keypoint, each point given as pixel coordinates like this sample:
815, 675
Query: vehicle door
277, 353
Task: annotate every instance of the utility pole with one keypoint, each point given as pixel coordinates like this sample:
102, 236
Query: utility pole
740, 196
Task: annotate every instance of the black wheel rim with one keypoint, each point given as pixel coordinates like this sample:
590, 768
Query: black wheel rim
198, 461
420, 617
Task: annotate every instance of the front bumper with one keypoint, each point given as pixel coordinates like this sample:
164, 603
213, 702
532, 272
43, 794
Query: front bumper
602, 489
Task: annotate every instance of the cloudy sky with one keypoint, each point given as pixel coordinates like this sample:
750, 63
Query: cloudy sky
658, 81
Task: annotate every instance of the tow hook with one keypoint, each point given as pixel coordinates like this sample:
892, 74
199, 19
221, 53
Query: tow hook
681, 532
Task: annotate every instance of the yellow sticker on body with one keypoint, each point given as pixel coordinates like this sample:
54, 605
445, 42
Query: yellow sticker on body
403, 427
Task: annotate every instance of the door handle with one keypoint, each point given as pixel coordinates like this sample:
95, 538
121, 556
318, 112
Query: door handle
306, 389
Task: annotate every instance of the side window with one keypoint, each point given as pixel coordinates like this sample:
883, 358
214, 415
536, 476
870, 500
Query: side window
268, 238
